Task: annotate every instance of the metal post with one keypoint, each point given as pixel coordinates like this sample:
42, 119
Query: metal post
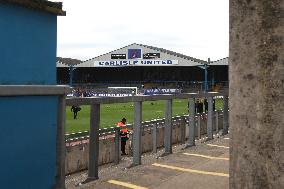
225, 116
199, 126
71, 75
191, 119
137, 134
117, 145
210, 119
94, 142
60, 144
182, 130
168, 127
154, 137
206, 82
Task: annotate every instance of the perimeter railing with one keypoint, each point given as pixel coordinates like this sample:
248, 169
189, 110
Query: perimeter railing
94, 133
95, 103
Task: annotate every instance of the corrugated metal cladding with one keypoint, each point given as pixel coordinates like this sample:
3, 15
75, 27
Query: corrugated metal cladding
183, 60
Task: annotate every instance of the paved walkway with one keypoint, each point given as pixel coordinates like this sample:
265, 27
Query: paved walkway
204, 166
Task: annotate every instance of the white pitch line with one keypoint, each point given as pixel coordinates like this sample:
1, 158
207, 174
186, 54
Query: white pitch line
191, 170
204, 156
125, 184
218, 146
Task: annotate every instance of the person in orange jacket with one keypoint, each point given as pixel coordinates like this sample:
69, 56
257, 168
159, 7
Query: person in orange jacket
123, 134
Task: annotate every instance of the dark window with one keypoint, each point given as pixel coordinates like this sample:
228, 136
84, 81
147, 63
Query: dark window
118, 56
151, 55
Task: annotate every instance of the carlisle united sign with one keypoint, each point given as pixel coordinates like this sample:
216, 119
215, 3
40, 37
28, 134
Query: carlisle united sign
118, 63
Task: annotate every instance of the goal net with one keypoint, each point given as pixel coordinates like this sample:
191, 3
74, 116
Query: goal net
131, 91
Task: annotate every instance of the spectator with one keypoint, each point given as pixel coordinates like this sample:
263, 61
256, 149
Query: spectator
123, 134
75, 109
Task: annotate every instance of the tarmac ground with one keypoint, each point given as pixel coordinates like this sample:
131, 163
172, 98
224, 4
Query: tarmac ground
203, 166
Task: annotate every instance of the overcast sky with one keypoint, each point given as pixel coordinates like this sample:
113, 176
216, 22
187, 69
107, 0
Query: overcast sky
197, 28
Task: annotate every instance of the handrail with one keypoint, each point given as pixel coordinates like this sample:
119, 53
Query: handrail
145, 125
33, 90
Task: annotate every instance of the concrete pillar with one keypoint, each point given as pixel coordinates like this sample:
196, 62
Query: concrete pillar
199, 126
137, 134
256, 74
210, 119
154, 137
191, 119
168, 127
60, 144
94, 142
225, 116
217, 121
182, 129
117, 145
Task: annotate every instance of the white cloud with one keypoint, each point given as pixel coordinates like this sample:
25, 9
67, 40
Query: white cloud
198, 28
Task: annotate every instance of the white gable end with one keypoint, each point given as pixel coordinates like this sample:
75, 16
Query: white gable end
167, 58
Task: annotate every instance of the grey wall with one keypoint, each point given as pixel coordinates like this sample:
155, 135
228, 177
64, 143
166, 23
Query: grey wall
256, 94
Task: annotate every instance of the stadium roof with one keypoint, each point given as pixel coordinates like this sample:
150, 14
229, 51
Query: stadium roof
41, 5
157, 49
220, 62
63, 62
174, 54
184, 60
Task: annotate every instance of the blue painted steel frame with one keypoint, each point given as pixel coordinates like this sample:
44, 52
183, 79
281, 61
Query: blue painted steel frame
28, 124
28, 46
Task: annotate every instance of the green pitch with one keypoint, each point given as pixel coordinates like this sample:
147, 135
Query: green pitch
112, 113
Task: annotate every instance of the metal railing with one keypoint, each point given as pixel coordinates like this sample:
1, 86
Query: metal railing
152, 131
71, 137
95, 103
110, 131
